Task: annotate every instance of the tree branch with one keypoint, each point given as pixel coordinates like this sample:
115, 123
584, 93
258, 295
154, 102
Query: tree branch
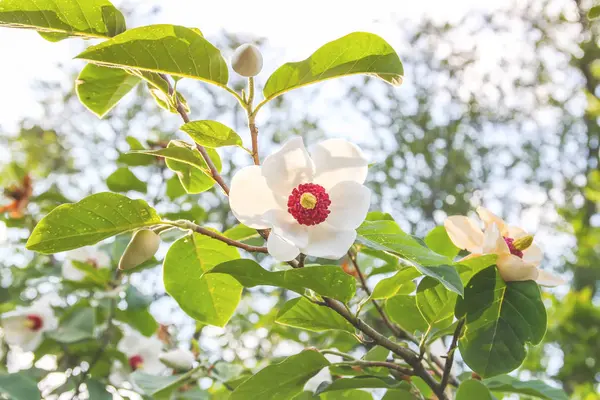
450, 358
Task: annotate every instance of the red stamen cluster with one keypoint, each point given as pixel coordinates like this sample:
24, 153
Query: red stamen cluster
36, 322
307, 216
512, 248
135, 361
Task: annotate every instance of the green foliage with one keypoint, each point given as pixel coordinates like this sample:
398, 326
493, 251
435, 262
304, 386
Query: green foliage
501, 318
594, 12
212, 134
438, 240
302, 313
400, 283
364, 382
77, 326
403, 310
123, 180
435, 302
472, 389
534, 388
19, 386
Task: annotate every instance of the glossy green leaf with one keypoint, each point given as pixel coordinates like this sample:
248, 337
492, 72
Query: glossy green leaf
535, 388
393, 394
133, 159
19, 386
98, 276
159, 387
174, 188
344, 395
403, 311
241, 232
594, 12
472, 389
88, 221
167, 49
140, 319
78, 326
435, 302
97, 390
356, 53
302, 313
123, 180
438, 240
501, 318
209, 298
387, 236
400, 283
282, 381
59, 19
326, 280
100, 88
363, 382
212, 134
468, 268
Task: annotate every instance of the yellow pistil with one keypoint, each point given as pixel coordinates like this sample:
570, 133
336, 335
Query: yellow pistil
523, 243
29, 323
308, 200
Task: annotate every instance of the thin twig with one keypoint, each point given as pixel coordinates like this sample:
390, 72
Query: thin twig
451, 351
384, 364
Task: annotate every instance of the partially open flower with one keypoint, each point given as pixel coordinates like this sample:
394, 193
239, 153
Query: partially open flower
518, 257
313, 205
87, 255
179, 359
25, 326
142, 352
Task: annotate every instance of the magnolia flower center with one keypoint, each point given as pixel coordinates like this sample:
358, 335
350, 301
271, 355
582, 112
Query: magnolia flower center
309, 204
34, 322
510, 242
136, 362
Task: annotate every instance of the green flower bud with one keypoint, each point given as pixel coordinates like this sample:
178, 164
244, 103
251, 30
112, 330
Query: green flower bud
142, 247
247, 60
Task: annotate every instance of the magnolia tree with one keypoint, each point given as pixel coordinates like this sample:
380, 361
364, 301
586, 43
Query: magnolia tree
470, 287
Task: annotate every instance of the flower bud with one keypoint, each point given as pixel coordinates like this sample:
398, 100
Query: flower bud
142, 247
178, 359
523, 243
247, 60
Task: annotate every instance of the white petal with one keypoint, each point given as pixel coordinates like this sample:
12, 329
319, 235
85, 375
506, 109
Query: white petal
178, 358
287, 168
350, 203
547, 279
152, 366
72, 273
288, 228
490, 218
533, 255
338, 160
464, 233
281, 249
32, 341
513, 268
493, 242
250, 197
15, 330
515, 232
326, 242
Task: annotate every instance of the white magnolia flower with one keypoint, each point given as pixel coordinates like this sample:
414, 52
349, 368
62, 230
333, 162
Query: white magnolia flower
313, 205
142, 352
518, 257
25, 326
89, 255
178, 358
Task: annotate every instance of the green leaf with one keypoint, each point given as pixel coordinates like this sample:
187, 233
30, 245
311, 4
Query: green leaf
356, 53
594, 12
400, 283
59, 19
436, 303
133, 159
89, 221
344, 395
241, 232
282, 381
392, 394
535, 388
326, 280
174, 188
302, 313
438, 240
212, 134
500, 319
123, 180
468, 268
19, 386
76, 327
363, 382
159, 387
167, 49
97, 390
99, 276
403, 311
139, 319
100, 88
387, 236
209, 298
472, 389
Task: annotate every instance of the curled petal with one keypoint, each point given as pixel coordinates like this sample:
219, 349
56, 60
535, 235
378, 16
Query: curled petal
281, 249
338, 160
326, 242
490, 218
287, 168
493, 242
250, 198
515, 232
464, 233
350, 203
513, 268
547, 279
533, 255
288, 228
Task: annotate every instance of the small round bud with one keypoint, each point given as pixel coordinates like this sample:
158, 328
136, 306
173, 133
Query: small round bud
142, 247
247, 60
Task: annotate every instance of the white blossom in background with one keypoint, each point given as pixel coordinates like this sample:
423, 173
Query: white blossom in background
180, 359
518, 257
25, 326
89, 255
142, 352
312, 204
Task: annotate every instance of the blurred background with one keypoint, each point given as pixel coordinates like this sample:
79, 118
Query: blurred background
499, 107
